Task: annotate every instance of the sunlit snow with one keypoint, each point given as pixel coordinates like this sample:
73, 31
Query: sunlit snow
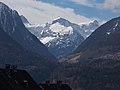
108, 33
68, 30
46, 39
57, 27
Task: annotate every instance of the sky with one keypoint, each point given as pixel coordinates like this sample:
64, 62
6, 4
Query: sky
76, 11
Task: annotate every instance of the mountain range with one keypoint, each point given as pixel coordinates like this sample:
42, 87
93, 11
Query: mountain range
19, 47
60, 35
96, 62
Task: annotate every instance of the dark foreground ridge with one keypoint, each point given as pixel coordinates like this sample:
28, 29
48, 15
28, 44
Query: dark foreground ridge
13, 79
54, 86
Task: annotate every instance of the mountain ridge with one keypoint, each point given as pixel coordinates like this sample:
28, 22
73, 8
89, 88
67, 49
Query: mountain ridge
103, 37
12, 24
13, 52
60, 35
97, 66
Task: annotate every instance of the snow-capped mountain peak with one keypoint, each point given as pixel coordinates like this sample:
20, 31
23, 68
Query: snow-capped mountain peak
62, 21
62, 36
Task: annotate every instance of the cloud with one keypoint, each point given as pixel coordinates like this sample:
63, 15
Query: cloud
88, 3
113, 5
40, 12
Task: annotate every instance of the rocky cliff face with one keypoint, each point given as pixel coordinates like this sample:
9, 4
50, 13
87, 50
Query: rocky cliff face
14, 39
12, 24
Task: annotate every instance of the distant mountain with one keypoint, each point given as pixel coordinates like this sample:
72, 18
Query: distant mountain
12, 24
13, 50
87, 28
105, 40
61, 36
95, 63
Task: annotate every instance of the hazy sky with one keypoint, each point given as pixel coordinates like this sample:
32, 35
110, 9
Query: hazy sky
78, 11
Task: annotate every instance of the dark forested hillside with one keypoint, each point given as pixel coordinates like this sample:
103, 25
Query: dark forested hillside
19, 47
105, 40
12, 24
13, 53
99, 61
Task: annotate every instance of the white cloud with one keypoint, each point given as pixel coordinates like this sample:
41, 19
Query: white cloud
40, 12
113, 5
89, 3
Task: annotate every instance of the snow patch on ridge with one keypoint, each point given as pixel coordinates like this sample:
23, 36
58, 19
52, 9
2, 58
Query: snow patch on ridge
46, 39
68, 30
108, 33
57, 27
